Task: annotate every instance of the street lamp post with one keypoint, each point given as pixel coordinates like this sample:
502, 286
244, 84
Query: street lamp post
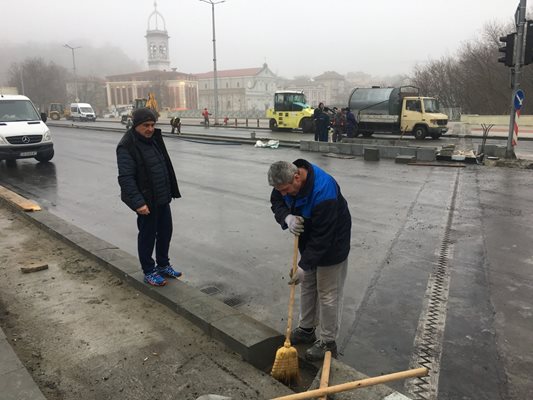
213, 3
74, 69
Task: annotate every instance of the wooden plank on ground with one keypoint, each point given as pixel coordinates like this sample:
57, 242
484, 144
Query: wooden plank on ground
18, 200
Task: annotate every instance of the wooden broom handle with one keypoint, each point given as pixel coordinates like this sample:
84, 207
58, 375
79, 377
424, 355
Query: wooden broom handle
411, 373
292, 293
324, 378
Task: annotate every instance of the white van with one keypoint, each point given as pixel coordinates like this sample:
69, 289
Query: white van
23, 132
82, 112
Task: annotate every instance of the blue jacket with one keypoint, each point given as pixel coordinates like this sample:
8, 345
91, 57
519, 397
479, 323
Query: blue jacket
327, 220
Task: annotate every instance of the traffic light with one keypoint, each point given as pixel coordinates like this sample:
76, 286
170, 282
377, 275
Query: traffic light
528, 50
507, 49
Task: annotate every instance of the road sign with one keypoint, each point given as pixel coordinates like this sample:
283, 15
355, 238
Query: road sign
518, 99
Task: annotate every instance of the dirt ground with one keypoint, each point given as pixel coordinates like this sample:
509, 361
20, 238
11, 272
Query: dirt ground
83, 334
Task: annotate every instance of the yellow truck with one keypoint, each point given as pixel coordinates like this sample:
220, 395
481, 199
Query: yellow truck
399, 110
290, 111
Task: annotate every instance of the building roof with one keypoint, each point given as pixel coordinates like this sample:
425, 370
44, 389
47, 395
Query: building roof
152, 75
329, 75
230, 73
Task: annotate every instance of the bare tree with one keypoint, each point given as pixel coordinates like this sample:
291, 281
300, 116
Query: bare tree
43, 83
473, 79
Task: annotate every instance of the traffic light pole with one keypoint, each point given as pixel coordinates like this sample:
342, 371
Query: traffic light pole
519, 56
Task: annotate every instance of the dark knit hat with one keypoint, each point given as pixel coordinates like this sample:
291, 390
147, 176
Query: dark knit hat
142, 115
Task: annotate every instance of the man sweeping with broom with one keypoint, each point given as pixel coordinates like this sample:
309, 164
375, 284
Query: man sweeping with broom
308, 201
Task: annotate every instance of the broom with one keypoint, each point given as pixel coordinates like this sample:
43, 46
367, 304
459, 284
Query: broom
285, 368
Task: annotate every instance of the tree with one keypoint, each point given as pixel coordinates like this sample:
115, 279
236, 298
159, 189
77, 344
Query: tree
473, 79
43, 83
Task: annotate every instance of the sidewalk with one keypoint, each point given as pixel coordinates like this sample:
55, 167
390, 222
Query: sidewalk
83, 334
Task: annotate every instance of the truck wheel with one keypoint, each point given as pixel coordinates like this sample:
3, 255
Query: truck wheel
420, 132
307, 125
54, 116
273, 125
45, 157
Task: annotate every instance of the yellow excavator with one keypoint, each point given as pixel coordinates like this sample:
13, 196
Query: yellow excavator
150, 103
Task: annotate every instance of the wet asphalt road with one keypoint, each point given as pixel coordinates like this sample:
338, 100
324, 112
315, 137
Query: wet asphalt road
479, 337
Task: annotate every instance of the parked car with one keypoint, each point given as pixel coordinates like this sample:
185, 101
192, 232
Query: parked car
23, 132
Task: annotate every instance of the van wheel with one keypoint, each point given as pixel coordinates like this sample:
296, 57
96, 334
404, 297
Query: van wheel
45, 157
273, 125
367, 134
420, 133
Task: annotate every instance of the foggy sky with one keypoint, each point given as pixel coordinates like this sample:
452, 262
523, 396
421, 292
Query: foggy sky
295, 37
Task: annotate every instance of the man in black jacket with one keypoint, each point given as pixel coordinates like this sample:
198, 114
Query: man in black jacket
309, 202
148, 184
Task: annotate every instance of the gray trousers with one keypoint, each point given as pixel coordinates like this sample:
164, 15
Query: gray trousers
321, 299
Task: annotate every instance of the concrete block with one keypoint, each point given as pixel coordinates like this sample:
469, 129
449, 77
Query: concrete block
9, 360
404, 159
254, 341
334, 148
345, 148
426, 154
305, 145
323, 147
388, 151
204, 311
357, 149
490, 149
371, 154
499, 151
313, 146
407, 151
19, 385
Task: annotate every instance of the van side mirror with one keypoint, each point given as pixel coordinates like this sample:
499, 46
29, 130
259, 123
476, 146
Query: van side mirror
44, 117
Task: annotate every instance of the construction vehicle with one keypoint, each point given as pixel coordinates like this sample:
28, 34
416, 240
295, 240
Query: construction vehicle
150, 103
399, 110
56, 111
290, 111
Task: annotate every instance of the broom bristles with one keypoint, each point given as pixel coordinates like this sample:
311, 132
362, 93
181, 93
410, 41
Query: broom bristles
285, 368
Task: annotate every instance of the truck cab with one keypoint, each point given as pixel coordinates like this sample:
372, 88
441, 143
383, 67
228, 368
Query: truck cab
422, 117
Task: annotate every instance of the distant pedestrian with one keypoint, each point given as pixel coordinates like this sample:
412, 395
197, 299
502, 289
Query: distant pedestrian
351, 123
147, 185
321, 120
339, 125
175, 123
206, 115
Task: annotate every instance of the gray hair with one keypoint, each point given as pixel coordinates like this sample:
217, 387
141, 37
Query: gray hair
281, 173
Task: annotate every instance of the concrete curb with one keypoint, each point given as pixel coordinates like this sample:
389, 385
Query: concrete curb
255, 342
371, 150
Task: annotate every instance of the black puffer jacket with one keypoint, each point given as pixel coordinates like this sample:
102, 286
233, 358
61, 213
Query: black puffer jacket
145, 172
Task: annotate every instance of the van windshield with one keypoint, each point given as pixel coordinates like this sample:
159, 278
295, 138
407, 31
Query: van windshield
18, 110
86, 109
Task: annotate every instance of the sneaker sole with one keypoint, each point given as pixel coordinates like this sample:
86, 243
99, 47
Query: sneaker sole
155, 284
173, 277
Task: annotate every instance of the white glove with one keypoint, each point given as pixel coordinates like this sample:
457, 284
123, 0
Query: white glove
297, 278
295, 224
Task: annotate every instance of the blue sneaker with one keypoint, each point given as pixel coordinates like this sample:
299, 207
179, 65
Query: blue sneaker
155, 279
169, 272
